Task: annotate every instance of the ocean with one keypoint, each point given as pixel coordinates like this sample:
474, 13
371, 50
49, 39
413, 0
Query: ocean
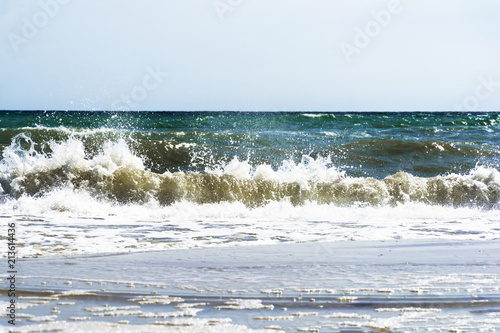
98, 184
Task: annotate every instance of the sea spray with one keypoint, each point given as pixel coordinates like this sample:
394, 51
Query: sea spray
117, 174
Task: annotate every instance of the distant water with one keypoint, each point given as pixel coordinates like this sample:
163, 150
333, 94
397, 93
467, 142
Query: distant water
277, 176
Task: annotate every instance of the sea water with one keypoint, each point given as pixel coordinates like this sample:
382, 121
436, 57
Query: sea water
102, 183
112, 182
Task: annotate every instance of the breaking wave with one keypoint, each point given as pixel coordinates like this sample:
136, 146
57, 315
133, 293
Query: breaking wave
116, 173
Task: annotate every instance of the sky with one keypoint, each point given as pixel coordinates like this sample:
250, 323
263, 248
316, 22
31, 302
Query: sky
263, 55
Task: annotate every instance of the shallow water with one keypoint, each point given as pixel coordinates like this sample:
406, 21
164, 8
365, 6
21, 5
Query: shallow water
327, 287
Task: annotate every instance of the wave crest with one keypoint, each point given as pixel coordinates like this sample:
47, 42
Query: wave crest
119, 175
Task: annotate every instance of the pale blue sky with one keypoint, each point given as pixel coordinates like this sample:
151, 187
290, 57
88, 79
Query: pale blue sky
281, 55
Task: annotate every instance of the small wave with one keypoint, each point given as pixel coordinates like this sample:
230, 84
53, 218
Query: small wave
392, 147
71, 130
317, 115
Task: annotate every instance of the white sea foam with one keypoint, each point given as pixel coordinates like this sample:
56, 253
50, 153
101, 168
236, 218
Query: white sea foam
97, 227
316, 115
244, 304
198, 325
174, 314
303, 172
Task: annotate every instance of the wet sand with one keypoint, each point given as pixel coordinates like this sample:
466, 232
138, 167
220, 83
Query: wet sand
392, 286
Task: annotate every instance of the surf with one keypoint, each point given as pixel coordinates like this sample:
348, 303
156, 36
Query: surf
116, 174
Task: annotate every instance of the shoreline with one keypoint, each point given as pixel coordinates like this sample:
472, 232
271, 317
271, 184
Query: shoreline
367, 285
346, 245
152, 265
